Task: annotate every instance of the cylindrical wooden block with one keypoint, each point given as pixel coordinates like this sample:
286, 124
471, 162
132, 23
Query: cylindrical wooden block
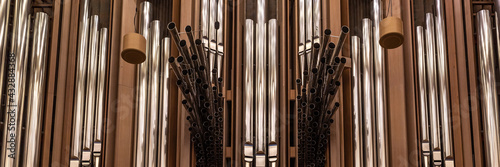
391, 33
134, 48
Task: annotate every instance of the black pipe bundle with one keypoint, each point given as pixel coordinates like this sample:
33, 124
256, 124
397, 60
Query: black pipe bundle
202, 95
316, 98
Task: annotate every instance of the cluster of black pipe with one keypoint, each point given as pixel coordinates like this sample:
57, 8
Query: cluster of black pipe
202, 92
316, 97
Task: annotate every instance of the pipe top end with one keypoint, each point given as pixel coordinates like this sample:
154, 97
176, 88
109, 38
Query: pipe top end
345, 29
188, 28
171, 25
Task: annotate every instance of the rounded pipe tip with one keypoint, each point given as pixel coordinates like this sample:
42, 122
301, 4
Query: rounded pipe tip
345, 29
171, 25
182, 43
180, 59
331, 45
317, 45
343, 60
328, 32
188, 28
197, 41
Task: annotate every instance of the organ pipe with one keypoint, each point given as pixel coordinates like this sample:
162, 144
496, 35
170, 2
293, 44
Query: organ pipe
164, 101
368, 96
357, 104
489, 99
273, 90
249, 89
18, 51
100, 103
261, 84
423, 95
4, 26
154, 86
36, 91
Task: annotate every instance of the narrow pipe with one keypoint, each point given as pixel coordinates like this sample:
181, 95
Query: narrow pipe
101, 88
489, 99
220, 21
422, 87
4, 26
154, 86
380, 87
91, 89
317, 18
212, 36
36, 92
442, 60
261, 69
367, 70
145, 12
357, 104
249, 89
189, 32
164, 102
302, 41
273, 89
433, 91
340, 45
204, 18
309, 31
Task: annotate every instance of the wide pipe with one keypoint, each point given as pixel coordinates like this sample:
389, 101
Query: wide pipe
4, 26
422, 87
489, 101
101, 88
91, 88
204, 18
368, 97
273, 88
220, 20
165, 80
433, 90
317, 18
249, 88
144, 15
302, 40
154, 83
357, 104
36, 92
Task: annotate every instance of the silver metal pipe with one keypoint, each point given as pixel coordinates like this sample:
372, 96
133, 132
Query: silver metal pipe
101, 88
145, 10
36, 92
4, 26
204, 18
164, 95
261, 69
249, 89
213, 17
368, 97
273, 89
357, 104
309, 31
317, 18
340, 45
433, 91
90, 96
422, 87
220, 19
489, 99
497, 27
81, 76
154, 89
302, 41
379, 69
442, 60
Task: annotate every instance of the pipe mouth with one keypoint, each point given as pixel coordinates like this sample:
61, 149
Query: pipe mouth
317, 45
217, 25
305, 73
337, 104
179, 82
337, 60
328, 32
183, 43
219, 80
171, 25
188, 28
171, 59
331, 45
201, 68
194, 57
343, 60
298, 81
315, 70
198, 81
345, 29
197, 41
322, 60
184, 101
337, 83
180, 59
331, 71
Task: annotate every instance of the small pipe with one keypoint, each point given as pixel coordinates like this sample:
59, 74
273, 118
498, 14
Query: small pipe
340, 43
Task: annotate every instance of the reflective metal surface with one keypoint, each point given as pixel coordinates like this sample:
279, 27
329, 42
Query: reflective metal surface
144, 16
248, 75
489, 99
433, 90
261, 82
317, 18
165, 78
273, 89
4, 26
356, 100
302, 39
100, 97
422, 90
204, 18
368, 96
36, 93
154, 89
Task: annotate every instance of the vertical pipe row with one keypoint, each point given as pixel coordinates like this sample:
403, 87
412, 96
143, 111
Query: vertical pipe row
273, 90
100, 103
489, 97
248, 85
36, 92
422, 87
154, 86
144, 15
357, 104
368, 96
164, 101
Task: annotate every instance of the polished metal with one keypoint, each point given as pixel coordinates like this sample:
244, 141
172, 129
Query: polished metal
357, 104
4, 26
91, 91
433, 89
422, 91
81, 76
261, 81
368, 96
273, 91
204, 18
248, 75
444, 97
317, 18
212, 33
144, 17
101, 93
302, 39
165, 79
154, 89
489, 99
340, 45
497, 27
308, 31
36, 93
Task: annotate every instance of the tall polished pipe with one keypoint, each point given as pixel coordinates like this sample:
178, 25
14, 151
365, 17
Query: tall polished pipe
261, 69
309, 31
433, 91
144, 15
81, 76
164, 102
36, 91
4, 26
302, 40
379, 69
497, 27
442, 65
273, 89
249, 88
204, 18
154, 83
357, 105
422, 87
220, 20
317, 18
212, 18
91, 89
101, 88
340, 45
368, 97
489, 99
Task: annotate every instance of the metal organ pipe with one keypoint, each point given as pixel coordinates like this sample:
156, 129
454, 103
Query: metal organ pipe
36, 91
433, 91
4, 26
489, 99
261, 70
100, 103
273, 90
422, 87
19, 42
249, 89
164, 101
154, 83
357, 104
368, 96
